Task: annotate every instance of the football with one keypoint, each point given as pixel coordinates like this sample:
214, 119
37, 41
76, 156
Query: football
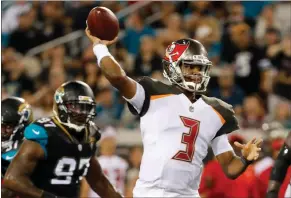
103, 23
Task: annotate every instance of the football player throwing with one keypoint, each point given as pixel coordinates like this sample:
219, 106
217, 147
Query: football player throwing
177, 121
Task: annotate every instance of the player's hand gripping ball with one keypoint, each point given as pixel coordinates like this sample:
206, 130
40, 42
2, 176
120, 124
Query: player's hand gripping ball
103, 23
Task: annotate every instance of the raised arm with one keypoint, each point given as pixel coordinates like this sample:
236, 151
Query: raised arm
17, 177
110, 67
98, 181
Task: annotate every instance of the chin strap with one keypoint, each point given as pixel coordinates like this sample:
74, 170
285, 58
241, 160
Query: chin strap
194, 95
70, 125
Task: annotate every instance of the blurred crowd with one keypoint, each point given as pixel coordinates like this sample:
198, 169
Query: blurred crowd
249, 44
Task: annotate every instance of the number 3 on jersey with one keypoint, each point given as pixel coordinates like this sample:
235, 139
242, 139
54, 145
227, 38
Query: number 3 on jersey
188, 139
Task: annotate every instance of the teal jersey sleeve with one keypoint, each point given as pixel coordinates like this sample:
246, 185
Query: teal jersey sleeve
37, 134
8, 156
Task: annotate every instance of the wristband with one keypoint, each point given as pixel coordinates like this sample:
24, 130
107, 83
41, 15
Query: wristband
46, 194
245, 161
100, 51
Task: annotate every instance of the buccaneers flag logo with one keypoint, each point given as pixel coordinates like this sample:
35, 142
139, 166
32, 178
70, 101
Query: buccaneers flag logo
174, 51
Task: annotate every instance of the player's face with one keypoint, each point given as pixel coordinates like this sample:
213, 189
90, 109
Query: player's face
192, 73
80, 113
6, 131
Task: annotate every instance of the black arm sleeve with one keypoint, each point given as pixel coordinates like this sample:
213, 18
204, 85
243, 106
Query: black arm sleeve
282, 163
146, 84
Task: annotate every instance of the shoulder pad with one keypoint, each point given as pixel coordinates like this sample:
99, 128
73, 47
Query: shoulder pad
223, 108
155, 87
8, 156
38, 134
34, 132
226, 112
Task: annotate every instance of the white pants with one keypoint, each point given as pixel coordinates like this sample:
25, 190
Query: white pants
159, 192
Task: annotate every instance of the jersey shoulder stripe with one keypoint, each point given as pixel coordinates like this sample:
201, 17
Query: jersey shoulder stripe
225, 113
154, 97
37, 134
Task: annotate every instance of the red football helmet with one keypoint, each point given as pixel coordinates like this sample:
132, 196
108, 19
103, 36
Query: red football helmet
188, 53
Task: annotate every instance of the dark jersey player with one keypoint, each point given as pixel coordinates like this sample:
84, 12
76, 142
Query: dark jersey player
16, 114
58, 151
279, 170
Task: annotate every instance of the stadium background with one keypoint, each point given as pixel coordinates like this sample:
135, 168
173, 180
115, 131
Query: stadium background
43, 45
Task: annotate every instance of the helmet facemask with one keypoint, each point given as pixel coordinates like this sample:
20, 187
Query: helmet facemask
10, 129
75, 114
80, 113
181, 73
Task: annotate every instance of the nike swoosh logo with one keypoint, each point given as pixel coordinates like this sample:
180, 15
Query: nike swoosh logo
36, 132
9, 157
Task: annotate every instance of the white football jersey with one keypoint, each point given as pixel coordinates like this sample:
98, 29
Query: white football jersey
176, 135
115, 168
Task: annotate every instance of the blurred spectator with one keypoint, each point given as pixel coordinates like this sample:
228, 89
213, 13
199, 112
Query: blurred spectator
135, 157
236, 15
24, 37
214, 182
166, 8
283, 114
92, 74
253, 114
128, 120
79, 13
122, 56
109, 106
135, 30
197, 9
115, 6
14, 79
11, 18
220, 11
172, 32
113, 166
42, 107
147, 60
280, 55
208, 32
283, 15
272, 36
51, 21
228, 91
53, 59
57, 77
250, 62
253, 8
265, 21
